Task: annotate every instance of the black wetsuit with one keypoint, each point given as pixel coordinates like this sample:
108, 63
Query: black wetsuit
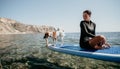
87, 32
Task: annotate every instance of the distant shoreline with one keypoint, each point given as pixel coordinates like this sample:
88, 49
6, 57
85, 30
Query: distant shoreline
9, 26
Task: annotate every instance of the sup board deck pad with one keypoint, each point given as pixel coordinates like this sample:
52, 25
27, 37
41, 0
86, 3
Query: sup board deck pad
108, 54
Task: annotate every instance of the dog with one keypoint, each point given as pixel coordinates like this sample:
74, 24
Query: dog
55, 35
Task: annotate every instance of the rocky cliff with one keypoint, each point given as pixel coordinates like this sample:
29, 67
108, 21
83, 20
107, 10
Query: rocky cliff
9, 26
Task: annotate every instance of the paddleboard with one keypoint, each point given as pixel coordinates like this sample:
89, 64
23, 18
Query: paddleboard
110, 54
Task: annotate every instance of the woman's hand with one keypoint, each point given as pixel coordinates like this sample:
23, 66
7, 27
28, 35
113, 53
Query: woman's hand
107, 44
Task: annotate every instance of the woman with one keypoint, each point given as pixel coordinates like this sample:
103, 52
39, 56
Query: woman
88, 39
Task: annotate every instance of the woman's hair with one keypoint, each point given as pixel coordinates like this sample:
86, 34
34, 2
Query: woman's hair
88, 12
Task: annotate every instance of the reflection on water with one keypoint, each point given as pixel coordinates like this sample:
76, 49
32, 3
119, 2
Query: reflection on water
28, 51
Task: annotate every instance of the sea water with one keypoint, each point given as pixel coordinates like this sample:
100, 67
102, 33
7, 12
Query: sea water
29, 51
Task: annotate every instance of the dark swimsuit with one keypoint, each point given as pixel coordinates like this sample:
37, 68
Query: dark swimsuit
87, 32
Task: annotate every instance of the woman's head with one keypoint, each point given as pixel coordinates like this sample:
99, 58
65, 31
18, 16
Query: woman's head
87, 15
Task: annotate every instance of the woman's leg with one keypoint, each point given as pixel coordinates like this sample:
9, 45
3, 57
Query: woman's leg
97, 42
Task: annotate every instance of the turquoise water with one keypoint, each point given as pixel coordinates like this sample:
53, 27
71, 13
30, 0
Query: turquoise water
28, 51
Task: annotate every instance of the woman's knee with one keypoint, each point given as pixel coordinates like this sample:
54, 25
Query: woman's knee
97, 39
102, 40
101, 37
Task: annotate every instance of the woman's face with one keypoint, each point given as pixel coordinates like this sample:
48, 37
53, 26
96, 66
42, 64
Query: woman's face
86, 17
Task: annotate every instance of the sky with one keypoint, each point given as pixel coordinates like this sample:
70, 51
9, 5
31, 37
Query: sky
65, 14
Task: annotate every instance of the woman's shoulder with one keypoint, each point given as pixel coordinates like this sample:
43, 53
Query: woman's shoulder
82, 22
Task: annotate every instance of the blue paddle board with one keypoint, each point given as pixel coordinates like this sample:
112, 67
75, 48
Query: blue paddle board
109, 54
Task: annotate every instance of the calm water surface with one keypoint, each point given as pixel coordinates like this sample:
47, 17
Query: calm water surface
28, 51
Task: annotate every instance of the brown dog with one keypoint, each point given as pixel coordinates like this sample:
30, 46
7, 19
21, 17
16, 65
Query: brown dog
54, 36
50, 34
